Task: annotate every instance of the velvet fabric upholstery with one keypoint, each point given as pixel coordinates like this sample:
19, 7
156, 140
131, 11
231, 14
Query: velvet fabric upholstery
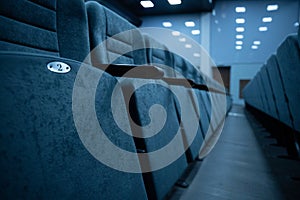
160, 182
42, 154
104, 26
57, 27
44, 157
205, 112
33, 31
253, 94
265, 105
159, 55
268, 92
272, 90
288, 56
276, 83
72, 30
299, 37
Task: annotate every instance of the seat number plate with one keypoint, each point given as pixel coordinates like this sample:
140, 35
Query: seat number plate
58, 67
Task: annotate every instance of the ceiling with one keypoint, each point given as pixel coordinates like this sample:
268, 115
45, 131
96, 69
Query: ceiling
163, 7
133, 11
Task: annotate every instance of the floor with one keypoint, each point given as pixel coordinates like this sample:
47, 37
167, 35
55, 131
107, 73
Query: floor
244, 165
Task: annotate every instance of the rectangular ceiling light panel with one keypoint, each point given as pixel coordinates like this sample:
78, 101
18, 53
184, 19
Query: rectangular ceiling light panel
240, 29
267, 19
189, 24
240, 20
174, 2
272, 7
147, 4
263, 28
167, 24
196, 32
239, 36
240, 9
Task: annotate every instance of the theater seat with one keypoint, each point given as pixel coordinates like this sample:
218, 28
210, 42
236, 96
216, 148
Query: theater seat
124, 44
268, 92
159, 55
43, 154
288, 57
47, 27
279, 96
253, 94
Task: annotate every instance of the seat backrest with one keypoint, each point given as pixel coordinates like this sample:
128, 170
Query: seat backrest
299, 36
159, 55
158, 183
53, 27
121, 39
276, 83
44, 156
288, 57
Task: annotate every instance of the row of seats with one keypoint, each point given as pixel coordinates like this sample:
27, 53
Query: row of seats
274, 91
160, 120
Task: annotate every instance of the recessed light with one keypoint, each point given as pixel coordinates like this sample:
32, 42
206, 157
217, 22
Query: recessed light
239, 36
175, 33
182, 39
240, 20
272, 7
213, 12
296, 24
174, 2
267, 19
257, 42
240, 29
188, 46
254, 47
195, 32
189, 24
147, 4
196, 55
239, 42
167, 24
238, 47
263, 28
240, 9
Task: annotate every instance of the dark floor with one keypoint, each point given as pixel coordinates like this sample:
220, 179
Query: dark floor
244, 165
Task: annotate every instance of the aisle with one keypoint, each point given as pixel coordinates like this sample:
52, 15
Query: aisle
236, 169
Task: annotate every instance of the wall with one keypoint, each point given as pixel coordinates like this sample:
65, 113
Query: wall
218, 36
223, 30
247, 61
164, 35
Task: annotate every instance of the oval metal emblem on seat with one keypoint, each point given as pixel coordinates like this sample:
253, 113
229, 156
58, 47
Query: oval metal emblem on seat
59, 67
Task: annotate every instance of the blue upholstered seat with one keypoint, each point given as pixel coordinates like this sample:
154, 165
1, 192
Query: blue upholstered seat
124, 44
288, 56
268, 93
276, 83
43, 155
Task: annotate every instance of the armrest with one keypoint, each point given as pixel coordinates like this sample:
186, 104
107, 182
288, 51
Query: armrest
217, 91
185, 82
132, 71
178, 81
151, 72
